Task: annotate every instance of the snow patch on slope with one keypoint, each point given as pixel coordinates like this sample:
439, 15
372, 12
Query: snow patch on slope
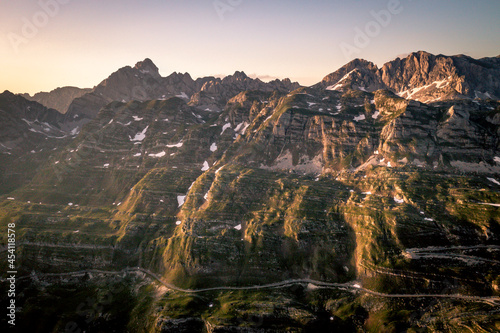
360, 117
140, 136
158, 155
177, 145
225, 127
181, 199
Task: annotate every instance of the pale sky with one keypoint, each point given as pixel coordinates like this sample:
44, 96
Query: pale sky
46, 44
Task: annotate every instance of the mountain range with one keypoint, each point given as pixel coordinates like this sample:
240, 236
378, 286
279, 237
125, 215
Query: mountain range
422, 77
366, 202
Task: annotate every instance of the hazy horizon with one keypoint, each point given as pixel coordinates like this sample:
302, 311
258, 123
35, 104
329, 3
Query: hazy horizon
54, 43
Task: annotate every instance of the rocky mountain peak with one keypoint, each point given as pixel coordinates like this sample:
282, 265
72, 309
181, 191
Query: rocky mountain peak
147, 66
8, 98
416, 70
6, 94
421, 54
360, 64
181, 76
358, 74
239, 76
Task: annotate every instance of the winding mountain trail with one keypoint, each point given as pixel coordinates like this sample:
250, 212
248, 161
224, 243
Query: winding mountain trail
353, 286
433, 252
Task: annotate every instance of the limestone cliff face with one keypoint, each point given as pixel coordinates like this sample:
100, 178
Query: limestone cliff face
343, 132
417, 70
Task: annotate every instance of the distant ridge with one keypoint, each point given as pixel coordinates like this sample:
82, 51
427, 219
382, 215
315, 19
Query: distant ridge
59, 98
